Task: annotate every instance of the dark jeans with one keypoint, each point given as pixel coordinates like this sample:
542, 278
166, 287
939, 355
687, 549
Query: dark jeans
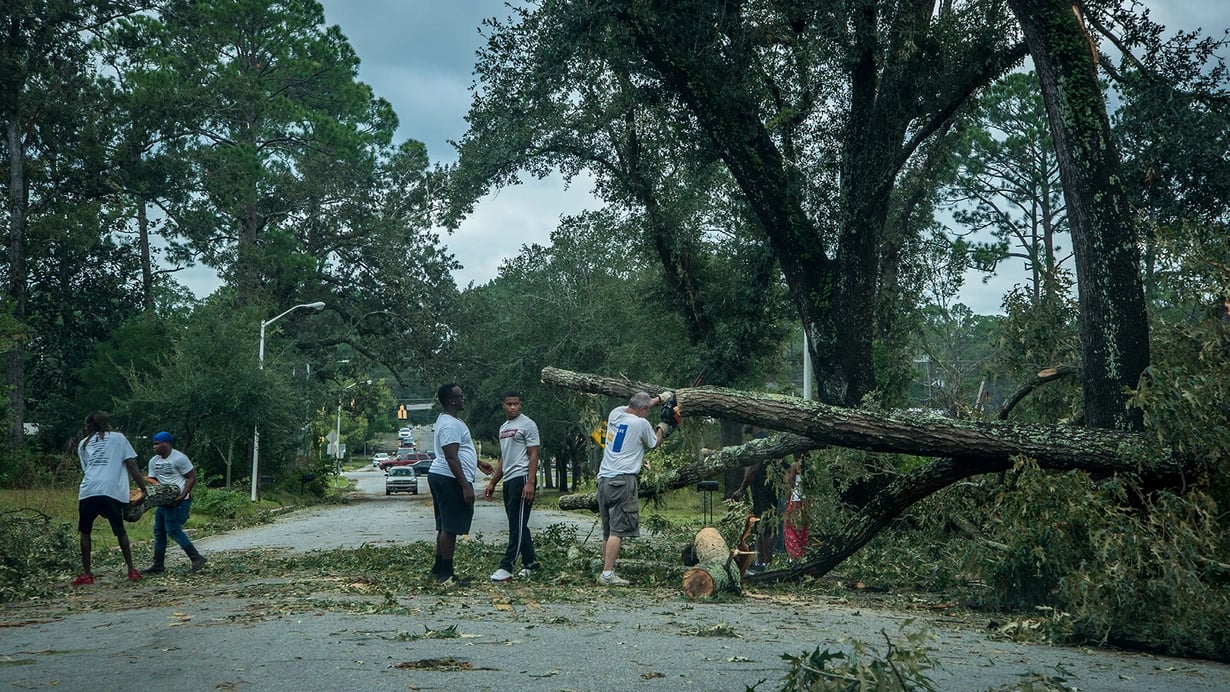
519, 540
169, 521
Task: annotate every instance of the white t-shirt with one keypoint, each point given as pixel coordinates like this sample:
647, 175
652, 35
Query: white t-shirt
450, 430
102, 460
627, 437
516, 438
173, 469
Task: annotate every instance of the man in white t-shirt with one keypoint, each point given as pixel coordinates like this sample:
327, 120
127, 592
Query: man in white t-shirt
451, 480
628, 437
105, 456
171, 466
518, 468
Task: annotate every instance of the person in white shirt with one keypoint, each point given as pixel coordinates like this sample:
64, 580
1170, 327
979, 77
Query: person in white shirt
105, 455
171, 466
628, 437
518, 468
451, 480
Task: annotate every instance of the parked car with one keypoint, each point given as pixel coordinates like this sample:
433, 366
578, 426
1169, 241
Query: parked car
405, 458
378, 458
423, 465
401, 479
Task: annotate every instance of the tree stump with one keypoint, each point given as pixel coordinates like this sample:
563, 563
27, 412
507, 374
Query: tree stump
715, 572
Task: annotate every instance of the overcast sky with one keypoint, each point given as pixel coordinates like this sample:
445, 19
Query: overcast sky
419, 56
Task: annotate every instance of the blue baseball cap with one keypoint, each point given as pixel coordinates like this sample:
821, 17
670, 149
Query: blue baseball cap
164, 437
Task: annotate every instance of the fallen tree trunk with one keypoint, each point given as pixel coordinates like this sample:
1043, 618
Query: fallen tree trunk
963, 448
969, 442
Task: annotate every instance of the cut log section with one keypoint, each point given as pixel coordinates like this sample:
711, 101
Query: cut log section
159, 495
716, 572
710, 546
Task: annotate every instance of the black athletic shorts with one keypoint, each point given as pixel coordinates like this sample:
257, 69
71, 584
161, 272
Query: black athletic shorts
453, 514
96, 506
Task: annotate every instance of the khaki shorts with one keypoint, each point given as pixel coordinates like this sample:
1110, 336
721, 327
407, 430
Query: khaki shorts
619, 506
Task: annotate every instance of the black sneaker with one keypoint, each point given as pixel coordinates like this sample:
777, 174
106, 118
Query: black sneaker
757, 568
452, 580
154, 569
198, 562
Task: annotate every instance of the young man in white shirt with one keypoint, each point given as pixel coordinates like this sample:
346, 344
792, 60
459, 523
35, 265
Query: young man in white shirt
105, 456
518, 468
171, 466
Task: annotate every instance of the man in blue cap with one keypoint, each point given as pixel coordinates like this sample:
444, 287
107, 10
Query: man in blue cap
169, 465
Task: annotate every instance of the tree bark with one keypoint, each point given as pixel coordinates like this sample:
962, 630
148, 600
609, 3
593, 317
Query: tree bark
16, 290
1113, 324
147, 268
971, 443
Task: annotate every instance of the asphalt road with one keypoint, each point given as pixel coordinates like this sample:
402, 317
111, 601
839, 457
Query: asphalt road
218, 634
380, 520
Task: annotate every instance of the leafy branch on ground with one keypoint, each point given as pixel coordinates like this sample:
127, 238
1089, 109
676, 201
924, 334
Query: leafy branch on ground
903, 665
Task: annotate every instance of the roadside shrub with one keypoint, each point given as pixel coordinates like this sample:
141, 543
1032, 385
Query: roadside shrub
218, 502
25, 469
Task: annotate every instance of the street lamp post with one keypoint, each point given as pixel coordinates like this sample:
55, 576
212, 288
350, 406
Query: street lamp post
260, 364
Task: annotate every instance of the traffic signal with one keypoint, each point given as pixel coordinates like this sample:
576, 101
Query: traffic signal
401, 412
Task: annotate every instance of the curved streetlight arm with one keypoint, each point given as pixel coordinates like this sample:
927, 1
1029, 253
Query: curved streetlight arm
260, 364
318, 305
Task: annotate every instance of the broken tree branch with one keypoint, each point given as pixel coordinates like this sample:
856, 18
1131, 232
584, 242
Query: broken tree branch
1044, 376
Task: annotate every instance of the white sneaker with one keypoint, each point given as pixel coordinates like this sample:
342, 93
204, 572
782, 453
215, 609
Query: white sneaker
501, 574
613, 580
524, 573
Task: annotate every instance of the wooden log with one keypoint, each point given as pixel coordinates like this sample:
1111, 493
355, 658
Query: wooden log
709, 579
158, 495
715, 572
710, 546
